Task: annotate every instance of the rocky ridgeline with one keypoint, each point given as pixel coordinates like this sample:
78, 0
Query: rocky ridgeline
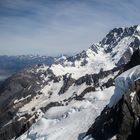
114, 37
122, 119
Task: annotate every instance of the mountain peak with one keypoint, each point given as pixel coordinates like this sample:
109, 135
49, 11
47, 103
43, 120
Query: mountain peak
119, 33
115, 49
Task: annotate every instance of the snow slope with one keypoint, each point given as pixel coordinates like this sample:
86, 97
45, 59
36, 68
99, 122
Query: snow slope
122, 83
69, 122
95, 61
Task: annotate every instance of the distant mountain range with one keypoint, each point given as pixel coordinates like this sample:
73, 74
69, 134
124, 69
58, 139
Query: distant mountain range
64, 99
13, 64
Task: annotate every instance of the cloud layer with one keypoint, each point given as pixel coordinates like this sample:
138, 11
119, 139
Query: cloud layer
52, 27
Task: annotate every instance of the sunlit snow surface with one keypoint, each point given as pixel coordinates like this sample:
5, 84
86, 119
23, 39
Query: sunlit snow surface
69, 122
95, 61
122, 83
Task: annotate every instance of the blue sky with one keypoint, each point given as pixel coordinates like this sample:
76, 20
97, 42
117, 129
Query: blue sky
53, 27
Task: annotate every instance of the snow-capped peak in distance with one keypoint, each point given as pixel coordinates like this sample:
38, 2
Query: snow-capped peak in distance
115, 49
121, 42
138, 28
119, 33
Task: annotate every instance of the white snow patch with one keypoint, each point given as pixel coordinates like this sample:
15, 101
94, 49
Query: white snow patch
17, 101
113, 138
132, 95
121, 47
138, 28
88, 138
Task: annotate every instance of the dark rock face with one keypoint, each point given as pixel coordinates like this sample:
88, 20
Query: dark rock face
93, 79
121, 120
94, 48
88, 89
77, 56
118, 33
109, 83
113, 38
68, 81
135, 60
52, 104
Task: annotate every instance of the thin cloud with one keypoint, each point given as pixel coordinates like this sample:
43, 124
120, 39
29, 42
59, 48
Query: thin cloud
54, 27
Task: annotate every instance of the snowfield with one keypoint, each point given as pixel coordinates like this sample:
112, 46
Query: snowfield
69, 122
95, 61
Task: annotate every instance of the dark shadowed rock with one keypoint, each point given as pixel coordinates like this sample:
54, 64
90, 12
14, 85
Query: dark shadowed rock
135, 60
68, 81
121, 120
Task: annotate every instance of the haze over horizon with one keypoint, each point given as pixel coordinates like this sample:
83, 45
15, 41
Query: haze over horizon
53, 27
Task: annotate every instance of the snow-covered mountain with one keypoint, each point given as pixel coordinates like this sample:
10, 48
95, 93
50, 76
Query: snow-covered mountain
61, 101
114, 50
120, 118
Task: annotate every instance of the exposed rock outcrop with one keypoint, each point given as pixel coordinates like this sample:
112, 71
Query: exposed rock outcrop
122, 120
